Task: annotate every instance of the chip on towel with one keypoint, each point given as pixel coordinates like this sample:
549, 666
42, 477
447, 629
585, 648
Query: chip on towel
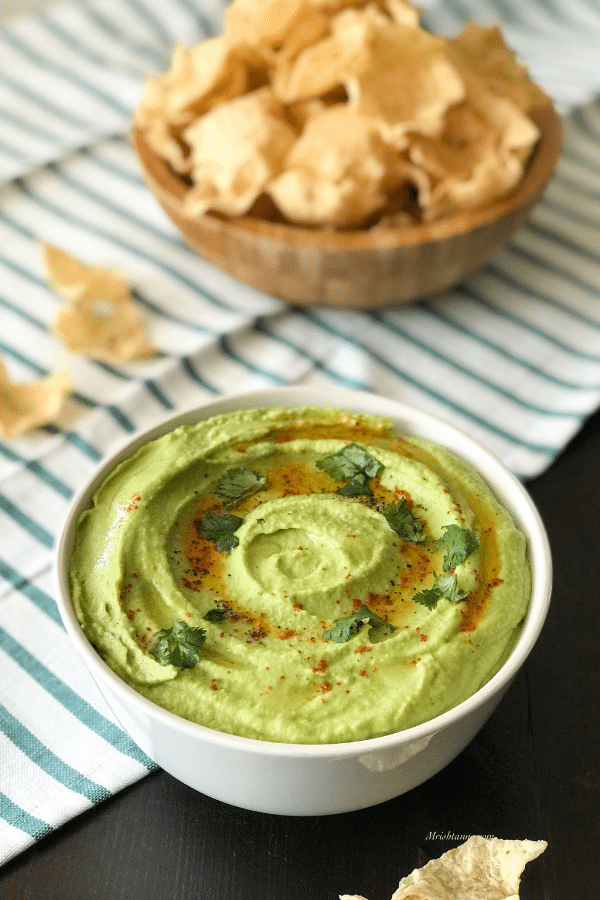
100, 318
24, 407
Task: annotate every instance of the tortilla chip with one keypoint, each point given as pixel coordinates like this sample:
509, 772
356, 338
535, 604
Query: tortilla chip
101, 319
406, 82
266, 22
298, 114
75, 280
103, 330
235, 149
403, 12
481, 867
303, 35
336, 143
479, 156
481, 53
338, 172
451, 115
213, 72
304, 199
324, 64
399, 10
397, 74
24, 407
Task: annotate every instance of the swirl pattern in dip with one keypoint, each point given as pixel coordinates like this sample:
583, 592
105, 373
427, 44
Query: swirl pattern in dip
320, 620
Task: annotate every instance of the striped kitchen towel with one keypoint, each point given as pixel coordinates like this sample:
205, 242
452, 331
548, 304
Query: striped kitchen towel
512, 355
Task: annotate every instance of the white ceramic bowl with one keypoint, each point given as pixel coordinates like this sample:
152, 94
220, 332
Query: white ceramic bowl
301, 779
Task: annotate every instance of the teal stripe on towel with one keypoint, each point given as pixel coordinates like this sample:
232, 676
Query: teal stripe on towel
21, 819
87, 714
48, 761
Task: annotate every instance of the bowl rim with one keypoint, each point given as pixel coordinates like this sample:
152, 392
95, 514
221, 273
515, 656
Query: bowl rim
170, 188
412, 421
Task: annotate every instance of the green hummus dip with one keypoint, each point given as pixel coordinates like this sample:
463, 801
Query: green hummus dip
328, 579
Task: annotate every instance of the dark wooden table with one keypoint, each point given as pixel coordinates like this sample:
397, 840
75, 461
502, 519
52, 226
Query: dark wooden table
532, 772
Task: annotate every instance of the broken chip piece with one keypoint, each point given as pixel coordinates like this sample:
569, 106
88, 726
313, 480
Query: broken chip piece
24, 407
100, 319
236, 149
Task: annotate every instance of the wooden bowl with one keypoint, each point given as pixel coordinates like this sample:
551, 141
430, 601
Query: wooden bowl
356, 269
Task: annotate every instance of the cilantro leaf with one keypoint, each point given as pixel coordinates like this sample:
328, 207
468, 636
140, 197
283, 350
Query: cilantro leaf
179, 645
343, 629
220, 529
351, 464
401, 520
458, 543
428, 597
448, 585
355, 486
445, 586
239, 482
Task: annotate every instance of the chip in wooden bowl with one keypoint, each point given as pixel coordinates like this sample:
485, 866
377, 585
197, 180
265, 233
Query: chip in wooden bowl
356, 269
341, 155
